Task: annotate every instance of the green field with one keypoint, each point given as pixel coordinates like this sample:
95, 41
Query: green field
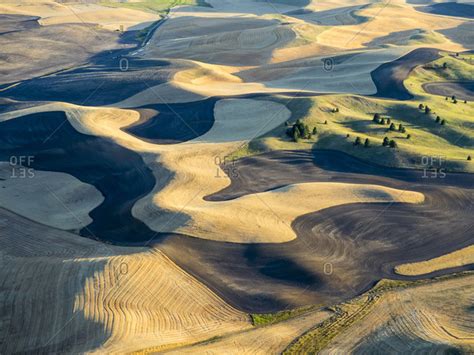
450, 143
155, 6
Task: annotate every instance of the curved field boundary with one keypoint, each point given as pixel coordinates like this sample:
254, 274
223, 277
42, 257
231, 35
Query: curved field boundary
389, 77
173, 123
456, 259
453, 9
118, 173
360, 243
463, 90
350, 313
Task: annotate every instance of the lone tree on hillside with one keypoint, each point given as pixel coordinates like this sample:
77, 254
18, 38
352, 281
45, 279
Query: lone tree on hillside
443, 122
389, 121
315, 130
386, 142
469, 157
326, 122
376, 117
392, 127
438, 119
357, 141
367, 143
408, 136
445, 65
453, 97
393, 144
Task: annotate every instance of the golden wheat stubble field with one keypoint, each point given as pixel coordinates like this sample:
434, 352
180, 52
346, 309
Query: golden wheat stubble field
236, 176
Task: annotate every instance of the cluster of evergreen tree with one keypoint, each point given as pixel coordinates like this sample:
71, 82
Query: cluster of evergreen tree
442, 122
389, 143
392, 127
380, 120
400, 128
299, 130
358, 141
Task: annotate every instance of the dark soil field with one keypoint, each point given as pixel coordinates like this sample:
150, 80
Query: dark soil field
359, 243
463, 90
389, 77
449, 9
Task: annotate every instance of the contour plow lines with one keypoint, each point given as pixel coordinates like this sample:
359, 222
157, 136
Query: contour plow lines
271, 339
168, 307
396, 317
421, 318
270, 241
360, 242
93, 296
177, 205
197, 175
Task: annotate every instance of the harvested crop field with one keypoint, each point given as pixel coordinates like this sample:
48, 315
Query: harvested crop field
242, 177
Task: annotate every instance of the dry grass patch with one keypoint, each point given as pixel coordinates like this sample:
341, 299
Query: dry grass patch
464, 256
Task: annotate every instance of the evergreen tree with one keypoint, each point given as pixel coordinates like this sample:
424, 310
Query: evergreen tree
315, 130
438, 119
393, 144
443, 122
367, 143
392, 127
420, 106
385, 142
295, 136
469, 157
376, 117
306, 132
408, 136
427, 109
357, 141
